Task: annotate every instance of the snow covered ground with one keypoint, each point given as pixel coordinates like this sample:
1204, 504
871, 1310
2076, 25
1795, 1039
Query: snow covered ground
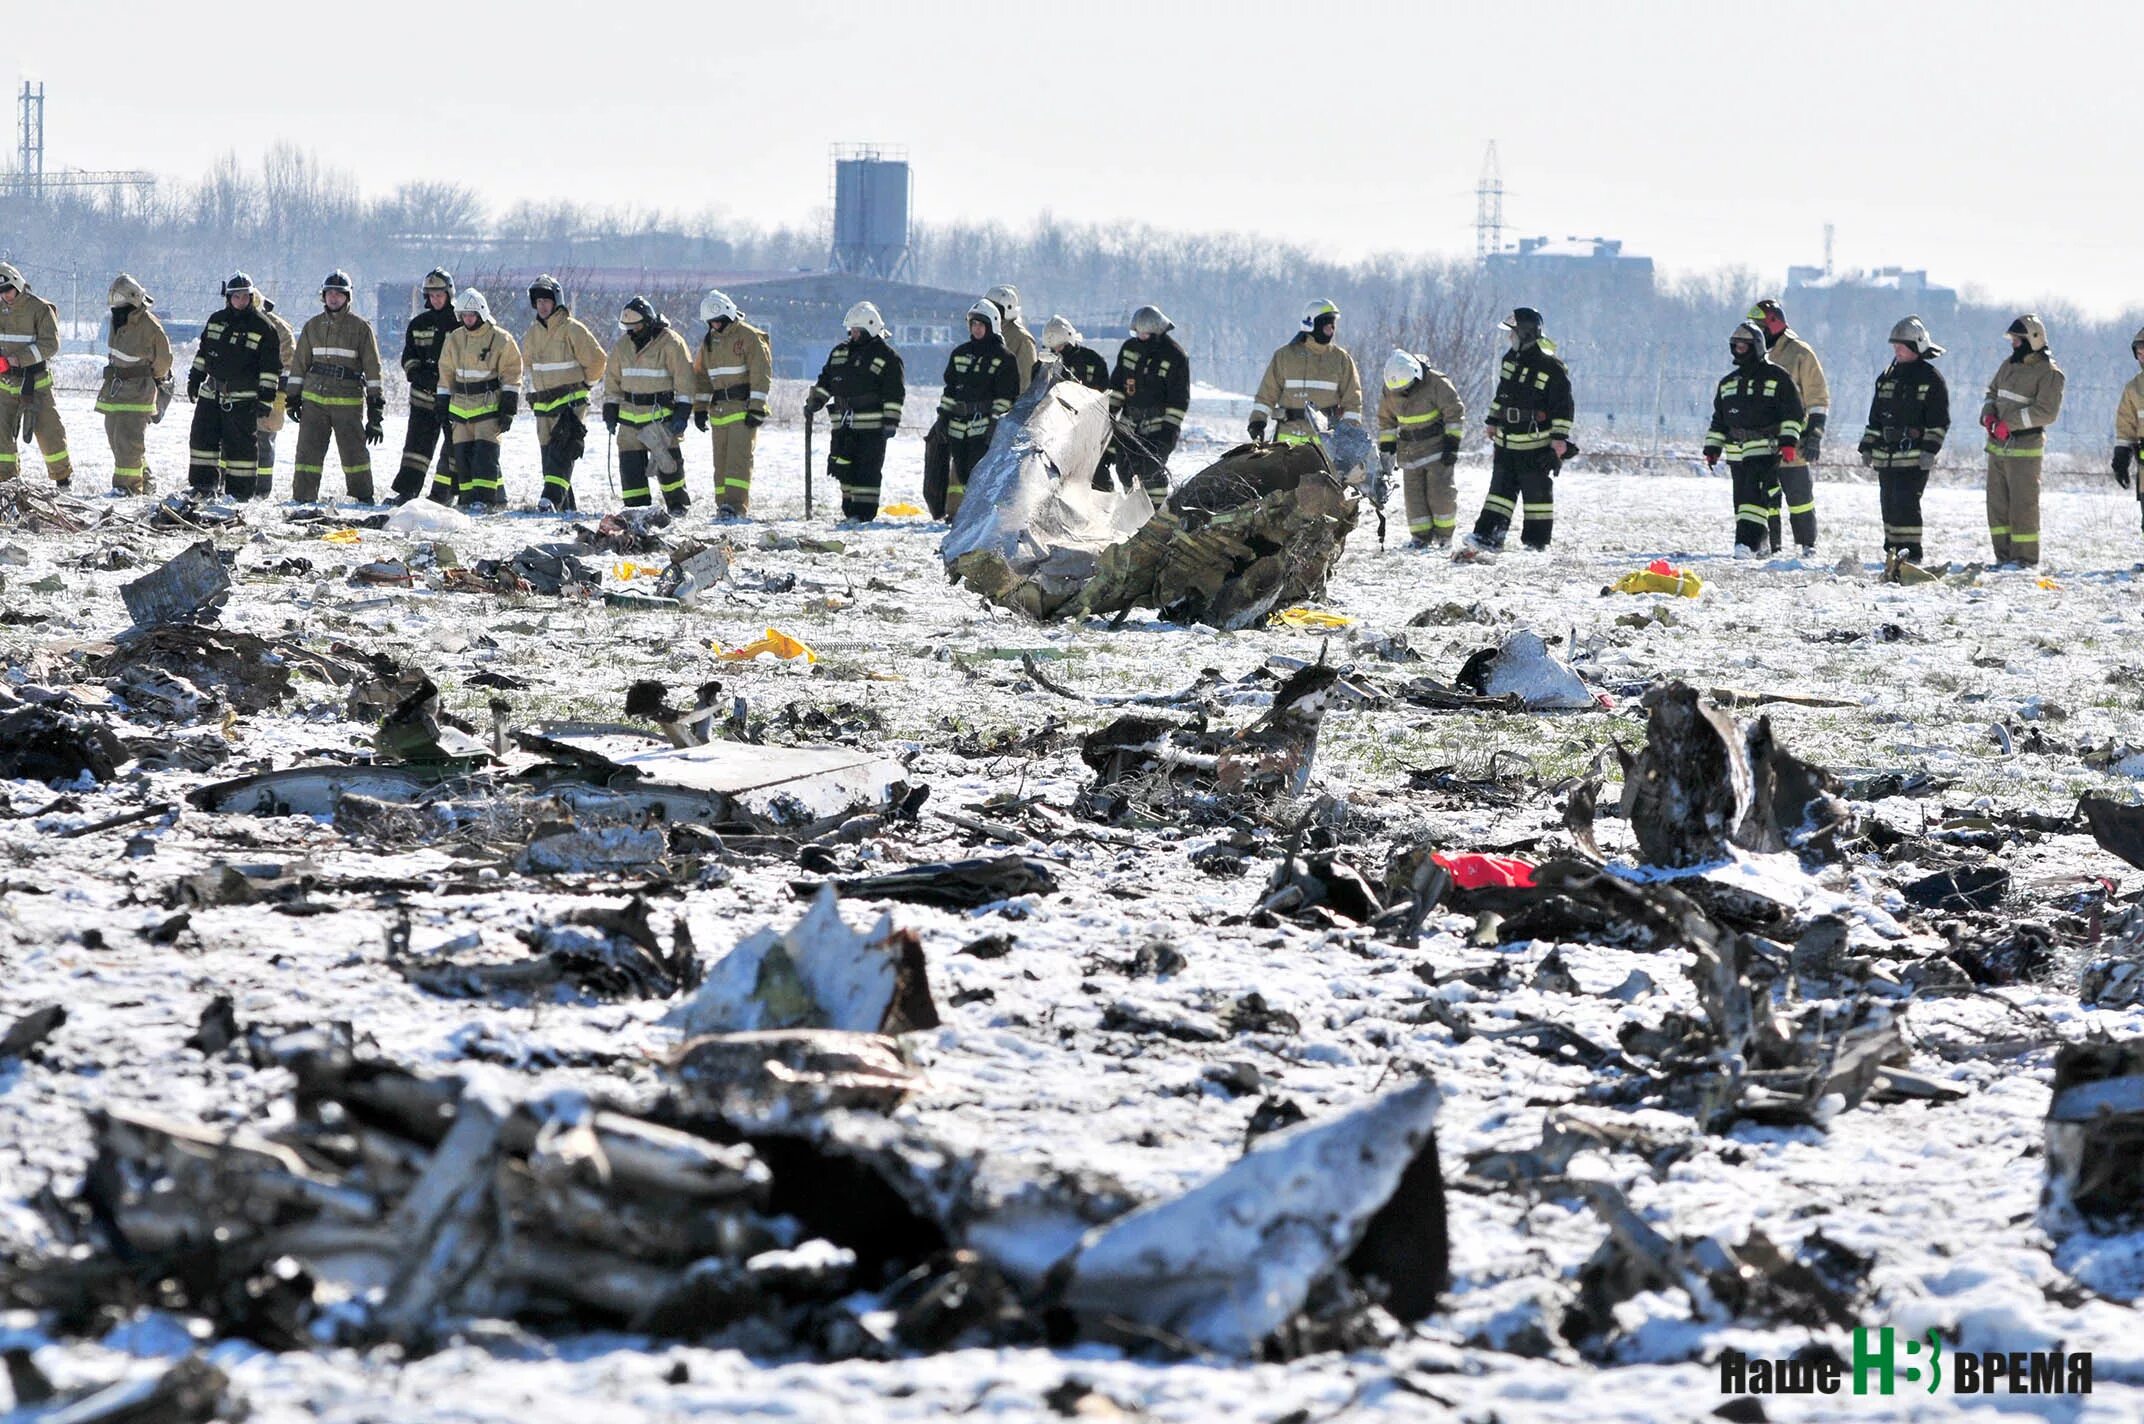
1943, 1195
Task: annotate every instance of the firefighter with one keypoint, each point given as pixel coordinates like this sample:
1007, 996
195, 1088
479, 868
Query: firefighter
1756, 426
2023, 399
336, 371
29, 339
1797, 485
730, 375
1908, 421
647, 401
1529, 427
273, 413
238, 368
1312, 372
426, 333
563, 359
1082, 363
1150, 391
980, 387
1019, 341
136, 389
1419, 420
2129, 423
864, 383
479, 388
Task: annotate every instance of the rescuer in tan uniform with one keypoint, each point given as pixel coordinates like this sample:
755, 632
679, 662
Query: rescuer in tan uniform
136, 389
1019, 341
731, 373
2129, 422
563, 359
1312, 372
647, 400
1419, 421
29, 339
2023, 399
273, 412
1797, 484
480, 390
336, 372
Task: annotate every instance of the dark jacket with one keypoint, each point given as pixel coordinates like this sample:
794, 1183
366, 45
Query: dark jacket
241, 352
1152, 383
1533, 404
979, 380
427, 331
1910, 415
1756, 411
866, 385
1082, 364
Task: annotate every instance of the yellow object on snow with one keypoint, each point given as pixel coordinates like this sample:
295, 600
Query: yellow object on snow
1660, 576
2049, 583
626, 570
339, 536
1308, 618
903, 510
775, 641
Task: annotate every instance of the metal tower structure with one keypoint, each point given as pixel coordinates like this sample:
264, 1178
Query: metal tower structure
873, 193
1489, 206
1827, 249
30, 178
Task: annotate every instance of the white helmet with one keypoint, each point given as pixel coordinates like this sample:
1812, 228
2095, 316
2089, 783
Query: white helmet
1058, 333
986, 311
126, 292
10, 277
1149, 321
1007, 298
1401, 371
1316, 309
472, 300
864, 317
716, 306
1912, 332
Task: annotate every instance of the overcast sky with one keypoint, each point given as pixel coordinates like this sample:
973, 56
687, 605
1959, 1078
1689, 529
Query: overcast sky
1994, 144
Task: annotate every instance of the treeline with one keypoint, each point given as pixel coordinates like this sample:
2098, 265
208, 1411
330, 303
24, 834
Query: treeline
1644, 365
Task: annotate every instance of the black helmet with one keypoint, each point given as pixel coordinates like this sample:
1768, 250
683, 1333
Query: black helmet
439, 279
337, 281
638, 311
237, 282
1524, 324
547, 286
1746, 341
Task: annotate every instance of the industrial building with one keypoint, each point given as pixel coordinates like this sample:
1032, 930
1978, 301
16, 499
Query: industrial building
1596, 266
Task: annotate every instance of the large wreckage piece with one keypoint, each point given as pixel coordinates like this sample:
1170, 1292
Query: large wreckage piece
599, 775
1032, 527
1229, 1263
2095, 1140
1703, 786
818, 973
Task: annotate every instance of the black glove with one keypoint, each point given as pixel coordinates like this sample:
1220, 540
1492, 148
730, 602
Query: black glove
816, 401
679, 415
1258, 430
294, 403
193, 388
2123, 454
375, 418
1712, 456
699, 420
509, 407
1812, 444
753, 419
610, 416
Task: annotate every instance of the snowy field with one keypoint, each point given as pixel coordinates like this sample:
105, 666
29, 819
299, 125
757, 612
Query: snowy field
2002, 682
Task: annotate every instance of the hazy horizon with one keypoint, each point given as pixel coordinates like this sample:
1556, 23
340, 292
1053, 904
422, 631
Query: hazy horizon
1929, 138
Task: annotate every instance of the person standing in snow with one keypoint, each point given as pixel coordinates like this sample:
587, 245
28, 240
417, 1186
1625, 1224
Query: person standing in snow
2129, 422
137, 382
273, 413
1019, 341
647, 401
1150, 392
29, 339
480, 391
864, 383
1756, 426
980, 387
2023, 399
1419, 418
1908, 420
335, 371
238, 366
1797, 485
563, 359
421, 340
1529, 427
1081, 362
731, 373
1312, 372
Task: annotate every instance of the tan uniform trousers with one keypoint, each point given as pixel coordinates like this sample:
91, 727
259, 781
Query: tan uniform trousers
2014, 505
51, 434
316, 422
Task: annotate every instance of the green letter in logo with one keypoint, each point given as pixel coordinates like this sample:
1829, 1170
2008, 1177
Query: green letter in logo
1867, 1360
